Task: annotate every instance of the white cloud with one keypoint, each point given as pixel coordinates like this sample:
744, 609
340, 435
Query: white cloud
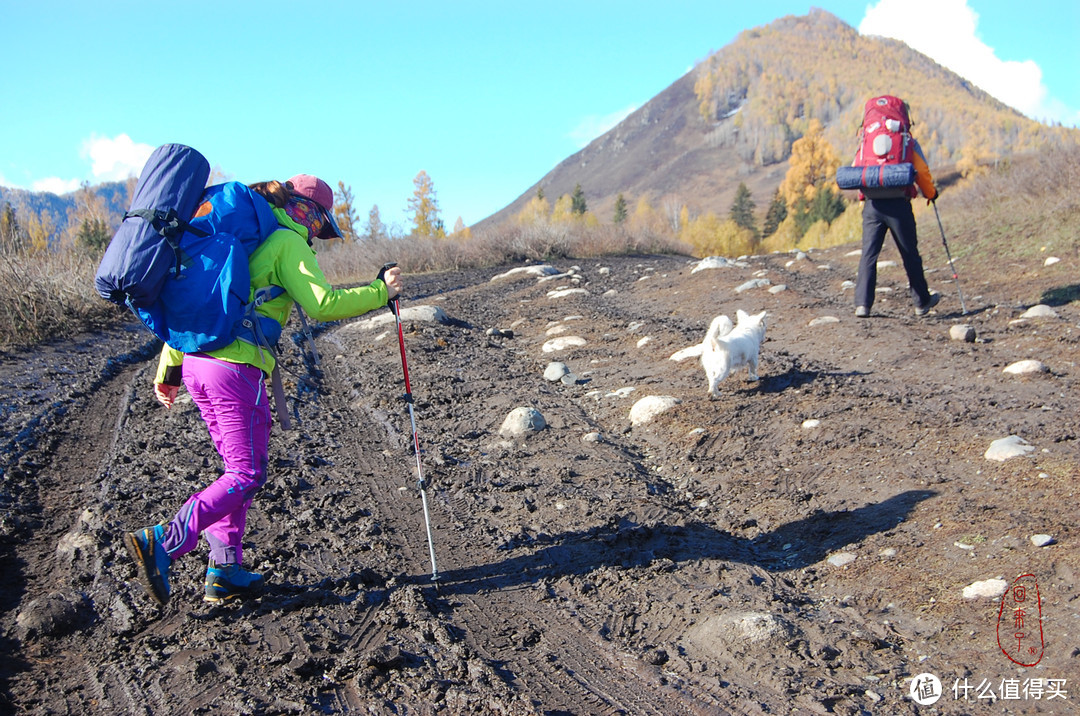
946, 30
591, 127
115, 159
55, 185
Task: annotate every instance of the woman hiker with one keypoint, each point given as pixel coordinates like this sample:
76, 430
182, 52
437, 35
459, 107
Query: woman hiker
228, 386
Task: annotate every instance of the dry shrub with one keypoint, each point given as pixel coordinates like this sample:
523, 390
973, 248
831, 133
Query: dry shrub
360, 262
46, 295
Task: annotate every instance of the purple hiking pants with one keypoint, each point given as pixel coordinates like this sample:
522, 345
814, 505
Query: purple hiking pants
233, 401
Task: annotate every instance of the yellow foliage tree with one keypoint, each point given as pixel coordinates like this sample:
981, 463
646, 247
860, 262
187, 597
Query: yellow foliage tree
646, 218
812, 164
784, 238
711, 236
537, 211
814, 238
424, 208
563, 212
846, 228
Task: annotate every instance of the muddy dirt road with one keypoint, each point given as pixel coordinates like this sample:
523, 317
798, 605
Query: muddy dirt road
801, 544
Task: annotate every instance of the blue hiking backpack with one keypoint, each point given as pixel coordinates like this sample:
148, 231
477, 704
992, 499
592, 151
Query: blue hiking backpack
179, 260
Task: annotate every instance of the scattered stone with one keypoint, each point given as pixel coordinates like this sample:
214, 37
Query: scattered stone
1051, 260
811, 423
991, 588
711, 262
886, 264
522, 421
887, 553
823, 320
778, 288
560, 292
569, 379
751, 284
1005, 448
1041, 540
847, 285
604, 270
420, 314
555, 371
644, 341
962, 332
557, 329
841, 558
1024, 367
593, 437
500, 333
1039, 311
562, 343
650, 406
525, 271
621, 392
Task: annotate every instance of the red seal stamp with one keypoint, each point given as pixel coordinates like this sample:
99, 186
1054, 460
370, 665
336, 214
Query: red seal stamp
1019, 627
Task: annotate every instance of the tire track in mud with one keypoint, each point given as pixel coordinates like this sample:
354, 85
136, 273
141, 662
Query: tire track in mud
551, 651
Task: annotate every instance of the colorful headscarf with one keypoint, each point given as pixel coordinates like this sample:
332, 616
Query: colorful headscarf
306, 213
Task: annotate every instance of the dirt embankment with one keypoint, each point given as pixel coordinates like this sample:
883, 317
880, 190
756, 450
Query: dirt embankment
683, 565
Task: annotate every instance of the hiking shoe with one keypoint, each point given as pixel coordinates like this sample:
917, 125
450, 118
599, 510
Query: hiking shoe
226, 581
146, 549
862, 311
935, 299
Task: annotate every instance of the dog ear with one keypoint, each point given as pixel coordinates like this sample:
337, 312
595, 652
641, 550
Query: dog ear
741, 315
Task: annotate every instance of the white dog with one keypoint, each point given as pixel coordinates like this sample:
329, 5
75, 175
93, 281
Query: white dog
728, 347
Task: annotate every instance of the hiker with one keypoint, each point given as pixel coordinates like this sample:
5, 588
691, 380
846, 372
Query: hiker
228, 386
889, 208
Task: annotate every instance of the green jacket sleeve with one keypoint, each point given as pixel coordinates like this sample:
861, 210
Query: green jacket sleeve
170, 366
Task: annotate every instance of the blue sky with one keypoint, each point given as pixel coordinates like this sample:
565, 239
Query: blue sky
486, 97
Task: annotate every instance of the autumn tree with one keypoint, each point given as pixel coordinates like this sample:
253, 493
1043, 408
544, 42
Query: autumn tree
374, 230
620, 209
9, 229
88, 225
424, 208
344, 212
742, 209
811, 167
460, 230
536, 211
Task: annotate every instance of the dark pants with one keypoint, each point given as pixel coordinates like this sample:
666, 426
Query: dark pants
894, 215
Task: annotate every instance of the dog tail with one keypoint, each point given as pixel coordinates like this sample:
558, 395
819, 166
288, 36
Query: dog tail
720, 327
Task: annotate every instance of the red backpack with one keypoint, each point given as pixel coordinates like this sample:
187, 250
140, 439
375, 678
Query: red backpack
884, 157
885, 136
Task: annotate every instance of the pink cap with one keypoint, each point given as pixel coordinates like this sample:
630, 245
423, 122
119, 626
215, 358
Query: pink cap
319, 192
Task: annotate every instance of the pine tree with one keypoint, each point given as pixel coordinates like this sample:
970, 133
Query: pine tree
775, 215
620, 209
742, 209
344, 212
424, 208
577, 200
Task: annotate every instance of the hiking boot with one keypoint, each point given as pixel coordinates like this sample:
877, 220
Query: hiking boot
226, 581
146, 549
862, 311
935, 299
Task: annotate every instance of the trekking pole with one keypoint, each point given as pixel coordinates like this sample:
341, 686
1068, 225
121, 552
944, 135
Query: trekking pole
421, 483
963, 309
